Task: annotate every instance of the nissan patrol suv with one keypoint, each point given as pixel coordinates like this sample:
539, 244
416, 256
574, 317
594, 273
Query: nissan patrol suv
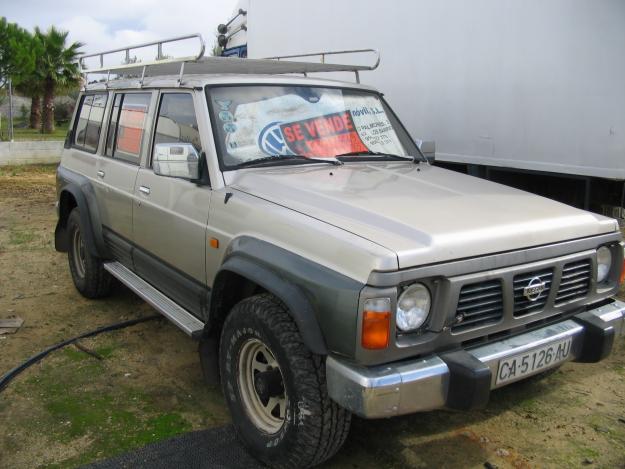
292, 226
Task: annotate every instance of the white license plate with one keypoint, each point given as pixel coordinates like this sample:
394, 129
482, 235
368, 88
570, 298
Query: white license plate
527, 363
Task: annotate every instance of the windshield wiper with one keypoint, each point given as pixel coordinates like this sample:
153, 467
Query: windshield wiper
377, 153
273, 158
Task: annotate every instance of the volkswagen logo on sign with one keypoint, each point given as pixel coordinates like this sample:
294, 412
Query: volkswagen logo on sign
533, 289
271, 141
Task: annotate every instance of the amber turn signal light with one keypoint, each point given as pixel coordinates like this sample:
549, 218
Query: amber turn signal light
376, 329
622, 279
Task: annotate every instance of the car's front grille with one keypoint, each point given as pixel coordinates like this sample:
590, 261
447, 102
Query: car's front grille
575, 281
479, 304
508, 298
524, 305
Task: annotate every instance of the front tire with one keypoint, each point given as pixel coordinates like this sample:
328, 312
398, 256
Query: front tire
88, 273
276, 388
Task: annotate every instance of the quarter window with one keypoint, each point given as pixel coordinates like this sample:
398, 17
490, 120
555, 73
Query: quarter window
89, 122
177, 121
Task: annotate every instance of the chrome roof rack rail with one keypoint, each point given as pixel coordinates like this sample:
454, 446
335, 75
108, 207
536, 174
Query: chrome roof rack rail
130, 65
324, 54
178, 67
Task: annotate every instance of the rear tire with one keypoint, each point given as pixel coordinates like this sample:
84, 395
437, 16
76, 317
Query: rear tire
276, 388
88, 273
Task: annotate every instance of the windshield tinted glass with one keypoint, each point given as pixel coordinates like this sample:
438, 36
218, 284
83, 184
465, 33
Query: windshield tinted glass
253, 122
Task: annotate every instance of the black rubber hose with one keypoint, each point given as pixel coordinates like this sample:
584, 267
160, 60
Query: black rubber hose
8, 377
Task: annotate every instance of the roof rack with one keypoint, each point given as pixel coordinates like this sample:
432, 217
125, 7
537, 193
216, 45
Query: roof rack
198, 64
323, 55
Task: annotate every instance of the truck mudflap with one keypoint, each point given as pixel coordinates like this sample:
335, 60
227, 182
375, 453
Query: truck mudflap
463, 379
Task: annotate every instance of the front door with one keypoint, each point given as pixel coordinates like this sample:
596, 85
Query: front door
170, 214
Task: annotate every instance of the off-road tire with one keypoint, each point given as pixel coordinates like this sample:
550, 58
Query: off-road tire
314, 427
91, 280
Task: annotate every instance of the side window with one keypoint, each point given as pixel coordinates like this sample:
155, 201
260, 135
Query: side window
89, 123
176, 120
112, 131
94, 126
127, 126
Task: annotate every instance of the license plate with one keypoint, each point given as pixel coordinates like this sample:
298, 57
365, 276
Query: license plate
527, 363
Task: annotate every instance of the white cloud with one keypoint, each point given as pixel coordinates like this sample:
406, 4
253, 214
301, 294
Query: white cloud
110, 24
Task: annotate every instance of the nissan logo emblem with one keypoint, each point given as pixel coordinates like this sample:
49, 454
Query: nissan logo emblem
533, 289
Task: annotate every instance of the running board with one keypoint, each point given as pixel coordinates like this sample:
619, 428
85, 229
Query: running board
172, 311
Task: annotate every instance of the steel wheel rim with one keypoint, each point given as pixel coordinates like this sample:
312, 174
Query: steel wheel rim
267, 415
78, 246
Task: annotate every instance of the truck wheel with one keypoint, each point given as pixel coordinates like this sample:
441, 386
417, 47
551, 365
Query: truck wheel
276, 388
88, 274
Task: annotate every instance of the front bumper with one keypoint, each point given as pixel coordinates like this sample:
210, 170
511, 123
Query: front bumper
463, 379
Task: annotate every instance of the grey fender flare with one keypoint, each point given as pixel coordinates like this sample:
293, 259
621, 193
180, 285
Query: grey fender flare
293, 297
81, 190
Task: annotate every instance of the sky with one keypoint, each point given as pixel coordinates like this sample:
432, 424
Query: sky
109, 24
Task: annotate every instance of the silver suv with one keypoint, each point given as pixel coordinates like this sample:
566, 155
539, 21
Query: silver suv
292, 226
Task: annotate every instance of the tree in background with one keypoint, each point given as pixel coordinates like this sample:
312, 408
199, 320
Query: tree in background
29, 84
17, 59
31, 87
56, 68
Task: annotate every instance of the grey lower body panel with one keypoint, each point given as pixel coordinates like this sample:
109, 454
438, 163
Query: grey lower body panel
432, 382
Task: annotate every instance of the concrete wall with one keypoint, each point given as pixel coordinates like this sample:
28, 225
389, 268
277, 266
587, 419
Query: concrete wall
30, 152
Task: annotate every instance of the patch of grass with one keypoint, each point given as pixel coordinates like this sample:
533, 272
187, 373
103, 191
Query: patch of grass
20, 170
583, 452
75, 355
21, 133
114, 418
19, 237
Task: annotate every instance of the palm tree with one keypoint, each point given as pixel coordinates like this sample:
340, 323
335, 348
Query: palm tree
30, 84
57, 67
31, 87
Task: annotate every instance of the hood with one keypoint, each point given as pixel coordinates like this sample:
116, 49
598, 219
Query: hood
424, 214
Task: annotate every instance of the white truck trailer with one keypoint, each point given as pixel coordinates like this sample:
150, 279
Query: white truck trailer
528, 93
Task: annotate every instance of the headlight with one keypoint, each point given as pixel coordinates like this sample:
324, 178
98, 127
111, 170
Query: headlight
413, 307
604, 263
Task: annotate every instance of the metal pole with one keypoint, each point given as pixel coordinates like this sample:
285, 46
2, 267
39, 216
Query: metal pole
10, 111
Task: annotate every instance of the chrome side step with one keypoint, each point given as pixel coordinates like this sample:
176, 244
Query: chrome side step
172, 311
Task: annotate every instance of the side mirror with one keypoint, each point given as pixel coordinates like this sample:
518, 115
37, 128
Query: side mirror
428, 148
179, 160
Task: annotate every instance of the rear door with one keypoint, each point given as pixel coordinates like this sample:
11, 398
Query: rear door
170, 214
117, 169
80, 153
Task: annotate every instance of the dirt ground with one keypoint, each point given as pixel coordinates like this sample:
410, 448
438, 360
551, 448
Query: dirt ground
146, 385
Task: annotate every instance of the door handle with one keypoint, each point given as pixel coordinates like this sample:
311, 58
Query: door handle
144, 189
100, 174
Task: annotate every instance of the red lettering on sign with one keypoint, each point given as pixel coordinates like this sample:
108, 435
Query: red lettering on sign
288, 133
347, 121
328, 135
297, 130
311, 128
338, 124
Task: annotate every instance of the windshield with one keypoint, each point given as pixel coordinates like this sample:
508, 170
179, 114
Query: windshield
283, 124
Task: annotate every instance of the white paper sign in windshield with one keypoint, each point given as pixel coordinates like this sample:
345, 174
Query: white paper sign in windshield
289, 124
